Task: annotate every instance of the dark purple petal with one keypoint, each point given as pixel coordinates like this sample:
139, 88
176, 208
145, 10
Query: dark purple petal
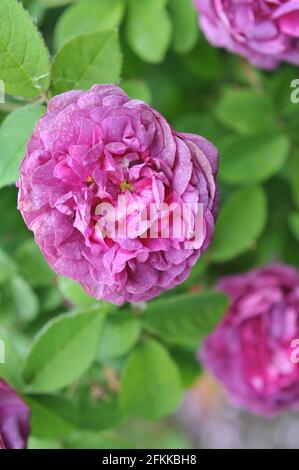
14, 419
250, 350
266, 32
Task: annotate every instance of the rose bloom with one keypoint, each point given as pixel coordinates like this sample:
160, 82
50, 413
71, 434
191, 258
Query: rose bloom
250, 351
92, 147
266, 32
14, 419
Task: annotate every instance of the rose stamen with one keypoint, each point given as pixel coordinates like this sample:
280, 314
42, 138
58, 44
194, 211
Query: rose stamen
125, 185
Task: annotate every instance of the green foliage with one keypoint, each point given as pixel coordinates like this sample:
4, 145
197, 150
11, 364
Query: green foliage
74, 293
151, 384
56, 3
91, 375
11, 368
32, 264
121, 332
51, 416
294, 224
149, 29
86, 60
99, 416
24, 300
14, 133
246, 111
185, 27
137, 90
187, 318
203, 61
294, 176
240, 223
188, 365
249, 160
63, 350
7, 267
88, 16
24, 65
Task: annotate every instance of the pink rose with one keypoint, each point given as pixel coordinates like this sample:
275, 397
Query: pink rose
251, 350
88, 150
14, 419
266, 32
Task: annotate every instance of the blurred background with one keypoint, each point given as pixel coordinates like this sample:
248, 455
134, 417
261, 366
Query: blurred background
245, 112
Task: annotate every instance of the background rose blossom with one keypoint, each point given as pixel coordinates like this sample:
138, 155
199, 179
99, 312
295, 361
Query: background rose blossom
14, 419
91, 147
266, 32
250, 350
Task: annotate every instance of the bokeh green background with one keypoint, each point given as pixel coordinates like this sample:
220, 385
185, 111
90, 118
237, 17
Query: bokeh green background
120, 391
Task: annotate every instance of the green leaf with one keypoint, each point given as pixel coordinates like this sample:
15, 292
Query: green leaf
185, 318
149, 29
151, 384
24, 62
185, 25
137, 89
63, 350
240, 223
56, 3
188, 365
51, 416
294, 176
50, 298
24, 299
202, 124
74, 293
121, 332
204, 61
249, 160
86, 60
100, 416
12, 228
37, 443
14, 133
32, 264
91, 440
293, 221
246, 111
10, 369
88, 16
36, 10
7, 267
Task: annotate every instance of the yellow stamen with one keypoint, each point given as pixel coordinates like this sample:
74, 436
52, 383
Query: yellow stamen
90, 180
125, 185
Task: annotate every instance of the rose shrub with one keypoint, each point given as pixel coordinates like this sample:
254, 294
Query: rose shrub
98, 374
266, 32
91, 147
14, 419
250, 350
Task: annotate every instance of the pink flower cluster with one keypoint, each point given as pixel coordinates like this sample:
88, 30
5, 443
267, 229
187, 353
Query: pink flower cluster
250, 351
91, 147
266, 32
14, 419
